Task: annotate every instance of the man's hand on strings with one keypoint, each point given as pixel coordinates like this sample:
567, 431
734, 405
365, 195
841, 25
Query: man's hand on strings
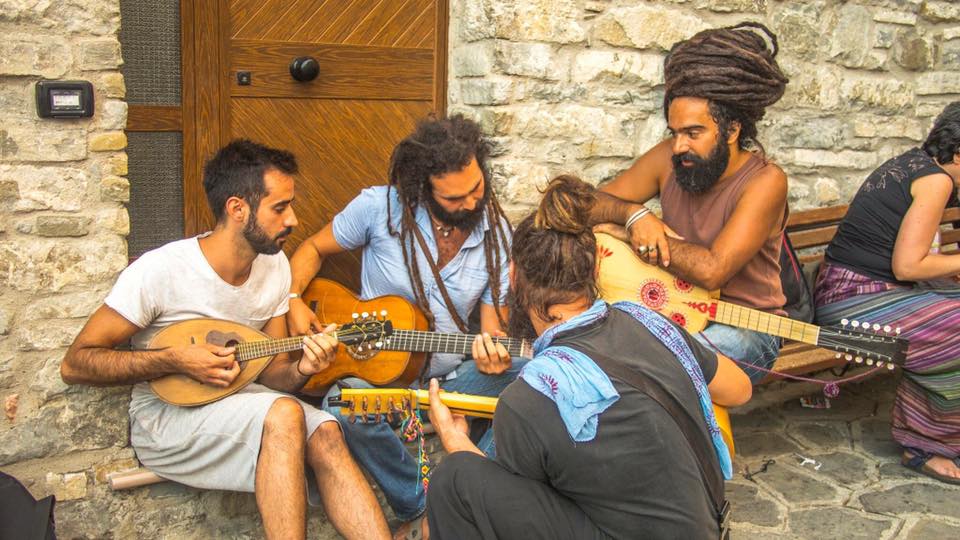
492, 358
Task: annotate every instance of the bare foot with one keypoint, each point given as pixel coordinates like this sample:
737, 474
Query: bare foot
413, 530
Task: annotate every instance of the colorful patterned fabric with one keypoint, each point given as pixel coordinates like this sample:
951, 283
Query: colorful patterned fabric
926, 413
582, 391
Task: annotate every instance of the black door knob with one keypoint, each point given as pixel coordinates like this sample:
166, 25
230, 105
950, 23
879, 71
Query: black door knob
304, 68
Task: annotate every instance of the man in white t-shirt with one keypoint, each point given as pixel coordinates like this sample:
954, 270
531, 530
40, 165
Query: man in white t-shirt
254, 440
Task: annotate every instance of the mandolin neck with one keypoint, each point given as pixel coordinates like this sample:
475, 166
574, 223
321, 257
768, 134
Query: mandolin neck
250, 350
437, 342
759, 321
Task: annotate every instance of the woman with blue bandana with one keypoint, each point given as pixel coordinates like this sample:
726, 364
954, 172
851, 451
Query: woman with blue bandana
581, 453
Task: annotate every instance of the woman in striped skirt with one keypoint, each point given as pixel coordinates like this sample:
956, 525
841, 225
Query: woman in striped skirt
884, 266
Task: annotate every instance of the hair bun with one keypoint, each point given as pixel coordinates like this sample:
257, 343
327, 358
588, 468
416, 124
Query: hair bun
565, 206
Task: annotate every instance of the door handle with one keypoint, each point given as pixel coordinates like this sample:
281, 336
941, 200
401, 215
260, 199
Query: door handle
304, 68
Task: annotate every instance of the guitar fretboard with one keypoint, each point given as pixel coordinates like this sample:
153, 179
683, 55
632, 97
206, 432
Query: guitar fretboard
250, 350
751, 319
419, 341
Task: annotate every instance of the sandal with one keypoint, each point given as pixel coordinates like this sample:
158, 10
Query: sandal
918, 462
415, 530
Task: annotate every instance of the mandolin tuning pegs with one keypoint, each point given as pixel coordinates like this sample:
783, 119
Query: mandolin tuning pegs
876, 327
897, 331
355, 316
855, 324
890, 366
383, 313
378, 344
838, 355
869, 361
887, 329
844, 322
848, 357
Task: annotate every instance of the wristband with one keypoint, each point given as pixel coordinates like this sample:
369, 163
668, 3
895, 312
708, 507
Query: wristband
635, 217
294, 295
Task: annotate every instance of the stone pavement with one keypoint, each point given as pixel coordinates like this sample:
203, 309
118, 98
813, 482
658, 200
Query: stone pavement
853, 485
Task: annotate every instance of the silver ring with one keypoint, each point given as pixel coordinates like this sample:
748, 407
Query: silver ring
651, 249
642, 249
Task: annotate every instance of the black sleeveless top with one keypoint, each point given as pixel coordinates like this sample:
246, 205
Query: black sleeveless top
864, 242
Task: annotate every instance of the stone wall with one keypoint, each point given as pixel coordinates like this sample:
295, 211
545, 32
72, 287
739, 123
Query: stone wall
577, 86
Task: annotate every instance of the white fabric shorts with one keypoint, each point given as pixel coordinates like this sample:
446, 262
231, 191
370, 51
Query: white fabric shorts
212, 446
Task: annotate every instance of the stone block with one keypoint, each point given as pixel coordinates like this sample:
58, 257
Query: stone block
114, 188
760, 444
852, 37
17, 99
100, 54
101, 473
753, 506
46, 188
951, 33
105, 142
924, 498
888, 127
21, 55
799, 30
650, 131
799, 487
67, 487
53, 334
553, 21
646, 27
519, 181
895, 17
9, 192
888, 95
950, 55
528, 60
938, 82
873, 437
912, 52
41, 141
575, 124
846, 468
839, 523
730, 6
84, 17
827, 191
844, 159
928, 528
611, 67
940, 11
814, 434
116, 165
553, 92
56, 226
485, 92
47, 384
474, 19
817, 87
113, 86
76, 305
473, 59
885, 38
46, 265
789, 131
112, 115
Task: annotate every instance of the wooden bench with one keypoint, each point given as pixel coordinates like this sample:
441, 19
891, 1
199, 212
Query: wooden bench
810, 232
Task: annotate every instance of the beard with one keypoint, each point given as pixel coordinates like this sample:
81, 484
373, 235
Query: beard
260, 241
705, 172
519, 324
461, 219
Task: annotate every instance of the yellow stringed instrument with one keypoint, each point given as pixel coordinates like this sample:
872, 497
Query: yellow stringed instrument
374, 404
395, 360
623, 276
254, 351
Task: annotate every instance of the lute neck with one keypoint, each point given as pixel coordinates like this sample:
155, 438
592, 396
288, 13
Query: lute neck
437, 342
752, 319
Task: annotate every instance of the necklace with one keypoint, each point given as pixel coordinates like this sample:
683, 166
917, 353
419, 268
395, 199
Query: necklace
445, 230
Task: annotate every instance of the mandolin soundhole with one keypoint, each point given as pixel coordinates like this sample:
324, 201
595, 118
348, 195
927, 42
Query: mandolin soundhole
223, 339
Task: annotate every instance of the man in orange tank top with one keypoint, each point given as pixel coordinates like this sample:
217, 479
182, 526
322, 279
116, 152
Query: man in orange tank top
724, 205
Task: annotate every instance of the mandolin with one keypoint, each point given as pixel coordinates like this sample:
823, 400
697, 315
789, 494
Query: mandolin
375, 404
623, 276
396, 360
254, 351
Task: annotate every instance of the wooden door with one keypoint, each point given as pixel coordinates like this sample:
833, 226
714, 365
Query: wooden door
382, 67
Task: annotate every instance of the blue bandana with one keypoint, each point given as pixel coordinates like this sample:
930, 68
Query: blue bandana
582, 391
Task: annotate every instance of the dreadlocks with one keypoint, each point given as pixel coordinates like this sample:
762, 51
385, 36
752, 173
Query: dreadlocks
437, 147
734, 70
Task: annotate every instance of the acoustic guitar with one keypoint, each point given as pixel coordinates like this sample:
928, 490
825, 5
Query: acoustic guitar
254, 351
623, 276
375, 404
396, 360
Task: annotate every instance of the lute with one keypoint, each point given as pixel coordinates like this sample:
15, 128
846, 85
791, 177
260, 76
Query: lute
623, 276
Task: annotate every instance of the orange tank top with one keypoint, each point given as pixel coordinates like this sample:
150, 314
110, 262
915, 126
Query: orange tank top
699, 219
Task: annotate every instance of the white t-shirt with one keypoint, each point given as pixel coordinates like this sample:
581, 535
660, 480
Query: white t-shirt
175, 282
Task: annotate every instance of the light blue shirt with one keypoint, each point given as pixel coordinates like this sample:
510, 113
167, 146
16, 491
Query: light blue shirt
363, 224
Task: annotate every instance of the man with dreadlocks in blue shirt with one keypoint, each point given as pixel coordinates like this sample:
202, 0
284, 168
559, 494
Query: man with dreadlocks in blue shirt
437, 236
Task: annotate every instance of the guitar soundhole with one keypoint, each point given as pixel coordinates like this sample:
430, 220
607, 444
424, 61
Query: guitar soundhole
225, 339
653, 294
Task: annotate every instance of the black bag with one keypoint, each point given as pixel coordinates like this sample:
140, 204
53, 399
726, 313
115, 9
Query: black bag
799, 304
21, 516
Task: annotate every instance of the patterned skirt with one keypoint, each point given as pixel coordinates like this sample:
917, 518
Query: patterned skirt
926, 412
